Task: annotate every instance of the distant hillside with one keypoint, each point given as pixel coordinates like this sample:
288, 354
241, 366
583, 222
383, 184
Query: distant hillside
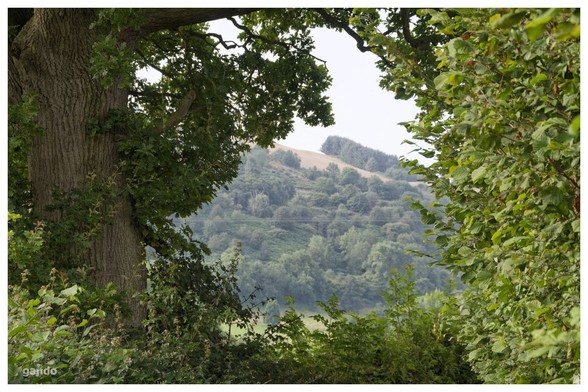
309, 225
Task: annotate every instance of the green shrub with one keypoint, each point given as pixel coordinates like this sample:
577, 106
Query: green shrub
51, 340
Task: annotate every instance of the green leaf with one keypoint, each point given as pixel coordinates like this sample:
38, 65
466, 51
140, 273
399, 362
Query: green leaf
447, 79
427, 153
535, 28
497, 236
70, 291
87, 330
454, 78
441, 240
567, 31
40, 337
464, 251
508, 20
484, 275
538, 352
441, 81
541, 311
458, 46
427, 217
460, 174
551, 195
479, 173
33, 302
15, 331
515, 240
538, 78
543, 19
37, 356
499, 346
576, 226
511, 263
575, 126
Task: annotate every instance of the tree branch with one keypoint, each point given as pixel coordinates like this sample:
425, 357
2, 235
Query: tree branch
17, 18
220, 41
563, 173
417, 43
171, 18
251, 34
360, 42
182, 110
155, 67
257, 36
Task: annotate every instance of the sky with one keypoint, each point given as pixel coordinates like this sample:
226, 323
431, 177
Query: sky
363, 111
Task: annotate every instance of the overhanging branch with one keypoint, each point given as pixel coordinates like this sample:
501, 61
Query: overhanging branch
360, 42
285, 45
171, 18
333, 21
417, 43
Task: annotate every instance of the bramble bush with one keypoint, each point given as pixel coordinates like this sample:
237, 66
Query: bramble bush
410, 343
54, 336
60, 332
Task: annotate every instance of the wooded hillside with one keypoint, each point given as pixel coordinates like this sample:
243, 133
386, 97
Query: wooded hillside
311, 233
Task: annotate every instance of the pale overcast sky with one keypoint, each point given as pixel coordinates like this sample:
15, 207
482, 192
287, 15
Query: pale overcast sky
363, 111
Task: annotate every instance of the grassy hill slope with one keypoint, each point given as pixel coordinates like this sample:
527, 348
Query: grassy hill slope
310, 159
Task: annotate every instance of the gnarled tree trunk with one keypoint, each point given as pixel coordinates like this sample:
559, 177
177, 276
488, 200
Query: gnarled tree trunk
51, 59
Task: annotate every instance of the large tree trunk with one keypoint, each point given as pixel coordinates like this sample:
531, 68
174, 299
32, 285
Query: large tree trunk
51, 59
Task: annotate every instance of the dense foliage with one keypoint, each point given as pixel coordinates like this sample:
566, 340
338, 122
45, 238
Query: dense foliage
412, 342
501, 115
56, 332
64, 333
165, 163
312, 233
498, 91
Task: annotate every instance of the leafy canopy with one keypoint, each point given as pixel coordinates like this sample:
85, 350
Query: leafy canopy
500, 112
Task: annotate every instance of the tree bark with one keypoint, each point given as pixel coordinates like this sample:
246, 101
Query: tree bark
50, 58
172, 18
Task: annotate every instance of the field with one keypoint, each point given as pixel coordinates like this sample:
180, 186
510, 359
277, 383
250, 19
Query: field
260, 327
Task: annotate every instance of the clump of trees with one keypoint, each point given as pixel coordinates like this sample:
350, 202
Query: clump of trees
288, 158
347, 348
357, 155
